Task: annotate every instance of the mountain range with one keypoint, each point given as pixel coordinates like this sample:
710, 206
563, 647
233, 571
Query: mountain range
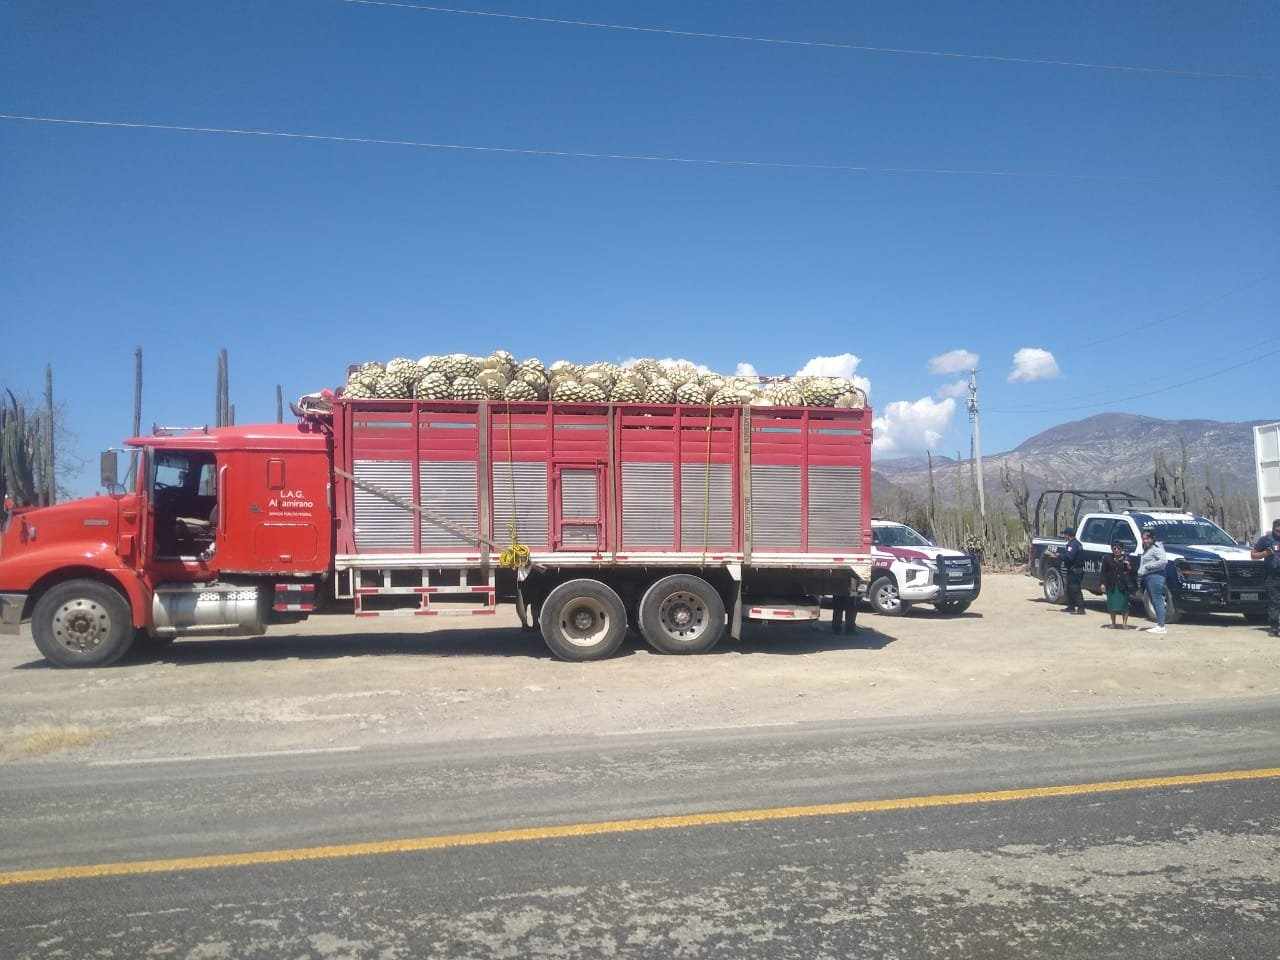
1114, 451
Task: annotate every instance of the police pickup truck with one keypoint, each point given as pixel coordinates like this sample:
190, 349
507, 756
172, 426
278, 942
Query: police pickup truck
1207, 572
907, 568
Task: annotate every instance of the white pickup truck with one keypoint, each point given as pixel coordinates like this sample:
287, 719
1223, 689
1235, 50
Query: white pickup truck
907, 568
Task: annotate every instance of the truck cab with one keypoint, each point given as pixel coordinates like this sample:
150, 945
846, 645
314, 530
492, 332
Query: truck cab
214, 530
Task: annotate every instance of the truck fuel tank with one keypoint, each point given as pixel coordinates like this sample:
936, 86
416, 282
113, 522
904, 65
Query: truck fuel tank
208, 608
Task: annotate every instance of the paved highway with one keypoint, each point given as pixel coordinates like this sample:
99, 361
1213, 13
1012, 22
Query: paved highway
1146, 833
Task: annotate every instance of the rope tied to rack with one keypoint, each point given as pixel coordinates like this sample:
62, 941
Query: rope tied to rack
516, 556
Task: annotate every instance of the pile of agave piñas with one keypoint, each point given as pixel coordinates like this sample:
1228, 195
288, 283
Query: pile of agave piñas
500, 376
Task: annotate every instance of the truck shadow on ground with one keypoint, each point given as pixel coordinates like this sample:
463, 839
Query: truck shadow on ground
776, 640
796, 640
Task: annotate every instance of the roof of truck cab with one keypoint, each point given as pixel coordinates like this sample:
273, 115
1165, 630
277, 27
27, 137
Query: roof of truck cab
258, 436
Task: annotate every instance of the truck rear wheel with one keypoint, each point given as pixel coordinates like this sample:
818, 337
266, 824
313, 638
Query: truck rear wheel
682, 614
82, 623
583, 620
1055, 588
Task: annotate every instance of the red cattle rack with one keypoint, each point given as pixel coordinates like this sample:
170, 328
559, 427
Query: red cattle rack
627, 483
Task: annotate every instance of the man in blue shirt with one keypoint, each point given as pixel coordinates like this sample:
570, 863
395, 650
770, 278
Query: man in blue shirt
1073, 571
1268, 548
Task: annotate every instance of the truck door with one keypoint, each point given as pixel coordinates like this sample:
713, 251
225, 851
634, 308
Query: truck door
579, 523
1095, 538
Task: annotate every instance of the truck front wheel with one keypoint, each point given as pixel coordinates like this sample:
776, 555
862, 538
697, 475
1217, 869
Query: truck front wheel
82, 623
1171, 612
583, 620
885, 599
682, 614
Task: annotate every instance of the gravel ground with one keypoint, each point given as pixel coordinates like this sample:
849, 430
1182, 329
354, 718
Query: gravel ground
335, 681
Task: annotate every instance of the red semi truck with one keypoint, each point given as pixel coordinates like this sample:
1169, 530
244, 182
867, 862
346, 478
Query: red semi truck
678, 521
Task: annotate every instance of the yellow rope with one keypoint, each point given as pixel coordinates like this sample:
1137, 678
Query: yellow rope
516, 555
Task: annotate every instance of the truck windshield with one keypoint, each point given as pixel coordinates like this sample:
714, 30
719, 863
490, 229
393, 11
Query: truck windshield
899, 535
1190, 532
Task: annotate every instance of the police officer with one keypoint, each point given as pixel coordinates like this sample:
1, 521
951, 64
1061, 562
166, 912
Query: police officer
1073, 571
1268, 548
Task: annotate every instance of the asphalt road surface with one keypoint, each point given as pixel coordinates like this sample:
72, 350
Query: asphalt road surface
1176, 865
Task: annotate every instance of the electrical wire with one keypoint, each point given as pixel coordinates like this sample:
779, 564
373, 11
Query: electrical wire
826, 44
1129, 330
586, 155
1149, 393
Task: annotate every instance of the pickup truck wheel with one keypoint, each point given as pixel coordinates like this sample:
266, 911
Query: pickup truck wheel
1055, 588
681, 614
82, 623
885, 599
583, 620
1171, 613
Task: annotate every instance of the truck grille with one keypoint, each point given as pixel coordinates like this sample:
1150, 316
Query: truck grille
1245, 571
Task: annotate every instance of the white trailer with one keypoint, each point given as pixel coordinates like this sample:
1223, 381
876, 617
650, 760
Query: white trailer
1266, 456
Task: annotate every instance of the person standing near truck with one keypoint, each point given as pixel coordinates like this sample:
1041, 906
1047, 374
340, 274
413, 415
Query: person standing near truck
1151, 575
1073, 571
1117, 573
844, 614
1268, 548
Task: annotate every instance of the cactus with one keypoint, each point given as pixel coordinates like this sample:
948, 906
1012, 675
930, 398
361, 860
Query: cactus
20, 454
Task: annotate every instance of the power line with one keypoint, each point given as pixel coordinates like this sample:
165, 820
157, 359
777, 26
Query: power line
826, 44
586, 155
1149, 393
1129, 331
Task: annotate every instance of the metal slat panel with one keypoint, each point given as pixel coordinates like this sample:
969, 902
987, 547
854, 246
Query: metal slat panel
531, 502
648, 505
380, 524
579, 493
835, 507
775, 506
716, 527
448, 490
579, 499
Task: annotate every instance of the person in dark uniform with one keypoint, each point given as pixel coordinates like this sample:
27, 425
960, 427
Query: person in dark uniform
1073, 571
844, 614
1268, 548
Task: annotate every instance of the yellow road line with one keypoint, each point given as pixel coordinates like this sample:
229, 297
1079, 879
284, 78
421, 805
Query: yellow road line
525, 834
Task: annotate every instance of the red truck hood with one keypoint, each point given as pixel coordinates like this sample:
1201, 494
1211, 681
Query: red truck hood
94, 518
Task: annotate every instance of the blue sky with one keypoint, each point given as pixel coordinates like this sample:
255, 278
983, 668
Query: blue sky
1141, 197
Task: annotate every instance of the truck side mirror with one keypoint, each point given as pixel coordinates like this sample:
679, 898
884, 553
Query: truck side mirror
109, 470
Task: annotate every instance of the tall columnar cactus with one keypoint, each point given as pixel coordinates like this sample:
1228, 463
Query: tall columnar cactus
20, 454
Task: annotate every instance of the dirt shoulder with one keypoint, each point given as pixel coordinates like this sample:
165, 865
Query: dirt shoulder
335, 682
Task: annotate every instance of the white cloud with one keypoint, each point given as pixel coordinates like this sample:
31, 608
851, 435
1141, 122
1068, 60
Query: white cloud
1033, 363
907, 426
953, 361
957, 389
841, 365
744, 369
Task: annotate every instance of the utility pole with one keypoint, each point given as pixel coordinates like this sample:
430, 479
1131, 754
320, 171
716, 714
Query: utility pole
975, 432
51, 483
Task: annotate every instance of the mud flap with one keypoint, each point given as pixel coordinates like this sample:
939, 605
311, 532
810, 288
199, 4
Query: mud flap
522, 611
735, 621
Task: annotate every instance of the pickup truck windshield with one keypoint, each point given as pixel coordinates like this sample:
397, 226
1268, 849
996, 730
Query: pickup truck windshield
898, 536
1189, 532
